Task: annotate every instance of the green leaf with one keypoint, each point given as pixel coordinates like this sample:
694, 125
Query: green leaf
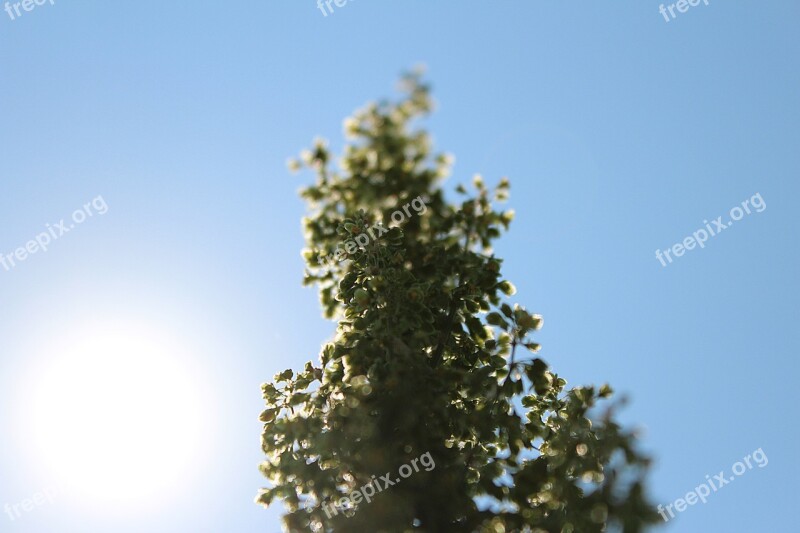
507, 288
268, 415
495, 319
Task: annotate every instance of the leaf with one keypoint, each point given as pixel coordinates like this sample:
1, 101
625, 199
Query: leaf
507, 288
268, 415
495, 319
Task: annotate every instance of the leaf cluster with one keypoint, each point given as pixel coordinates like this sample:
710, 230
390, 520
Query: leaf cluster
430, 356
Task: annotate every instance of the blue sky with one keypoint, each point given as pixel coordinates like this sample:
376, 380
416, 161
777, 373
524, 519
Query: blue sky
620, 132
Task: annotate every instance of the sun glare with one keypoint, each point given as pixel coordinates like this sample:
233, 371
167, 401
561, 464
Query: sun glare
115, 415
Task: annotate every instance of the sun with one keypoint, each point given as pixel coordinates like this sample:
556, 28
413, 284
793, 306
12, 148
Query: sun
116, 414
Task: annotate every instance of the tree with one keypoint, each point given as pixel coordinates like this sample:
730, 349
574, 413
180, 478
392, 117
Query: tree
424, 413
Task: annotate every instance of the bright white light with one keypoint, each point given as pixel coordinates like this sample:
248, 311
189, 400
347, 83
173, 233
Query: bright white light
117, 415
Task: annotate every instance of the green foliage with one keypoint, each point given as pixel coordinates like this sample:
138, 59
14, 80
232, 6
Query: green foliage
429, 357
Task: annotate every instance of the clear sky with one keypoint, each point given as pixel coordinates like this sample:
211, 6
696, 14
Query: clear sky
621, 134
